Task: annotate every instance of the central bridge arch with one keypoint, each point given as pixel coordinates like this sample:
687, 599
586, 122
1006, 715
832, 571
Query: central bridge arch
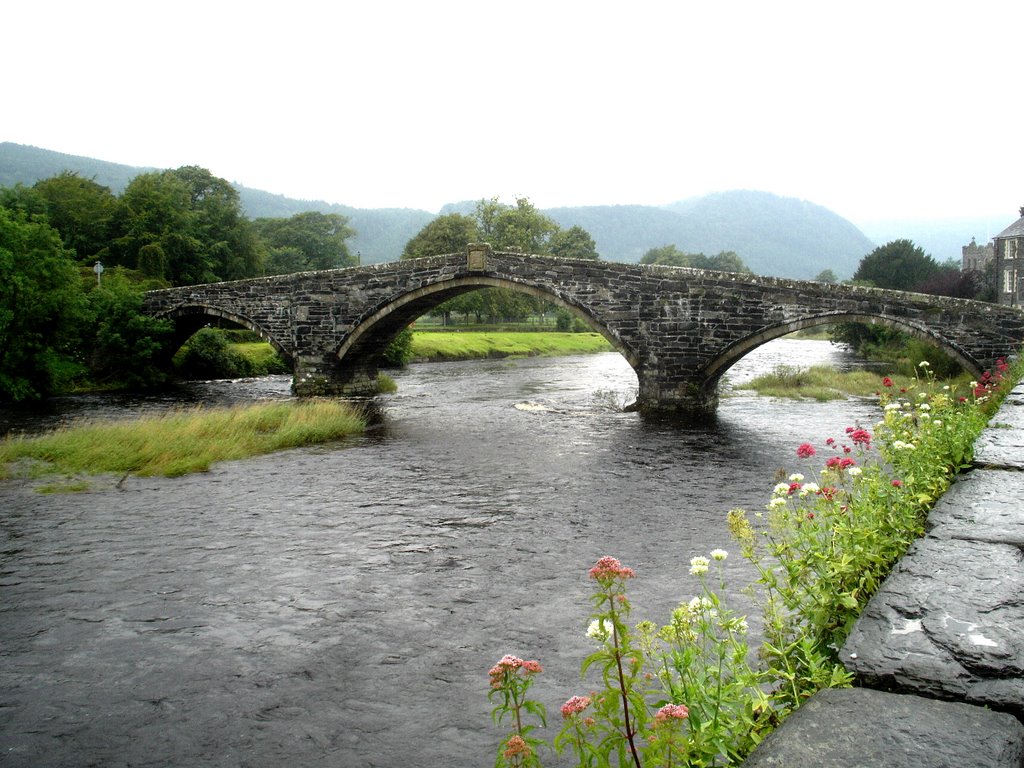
362, 348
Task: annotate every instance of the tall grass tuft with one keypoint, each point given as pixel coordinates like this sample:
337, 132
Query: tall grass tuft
181, 442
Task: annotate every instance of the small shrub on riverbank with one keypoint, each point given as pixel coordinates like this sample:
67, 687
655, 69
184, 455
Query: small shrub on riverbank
177, 443
688, 693
823, 383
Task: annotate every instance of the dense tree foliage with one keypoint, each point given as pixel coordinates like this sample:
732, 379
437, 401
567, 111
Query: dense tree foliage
450, 233
41, 308
306, 241
175, 227
574, 243
900, 265
671, 256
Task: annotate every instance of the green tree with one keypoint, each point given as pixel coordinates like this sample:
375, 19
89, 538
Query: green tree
826, 276
445, 234
42, 308
899, 265
218, 223
724, 261
318, 237
671, 256
573, 243
124, 345
155, 209
668, 256
520, 226
81, 210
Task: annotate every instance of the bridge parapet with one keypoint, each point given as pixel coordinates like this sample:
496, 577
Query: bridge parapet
680, 329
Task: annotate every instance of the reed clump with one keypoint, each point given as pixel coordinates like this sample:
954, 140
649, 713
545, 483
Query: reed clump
184, 441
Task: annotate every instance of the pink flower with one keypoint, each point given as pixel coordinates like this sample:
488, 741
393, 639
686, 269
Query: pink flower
830, 442
610, 568
516, 746
886, 382
897, 483
805, 451
671, 712
829, 492
574, 706
861, 437
794, 487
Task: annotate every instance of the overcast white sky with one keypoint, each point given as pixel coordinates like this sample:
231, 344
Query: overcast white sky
876, 110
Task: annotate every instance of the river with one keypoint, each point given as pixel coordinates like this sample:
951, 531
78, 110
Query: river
341, 605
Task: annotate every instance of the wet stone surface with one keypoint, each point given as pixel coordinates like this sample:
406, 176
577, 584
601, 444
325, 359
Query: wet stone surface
838, 728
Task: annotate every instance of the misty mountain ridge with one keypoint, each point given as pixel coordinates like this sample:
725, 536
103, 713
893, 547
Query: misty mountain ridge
778, 236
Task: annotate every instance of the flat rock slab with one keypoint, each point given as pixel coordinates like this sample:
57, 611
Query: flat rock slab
1002, 443
946, 624
982, 505
839, 728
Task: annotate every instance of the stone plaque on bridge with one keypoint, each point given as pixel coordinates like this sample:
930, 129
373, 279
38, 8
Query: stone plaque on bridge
476, 257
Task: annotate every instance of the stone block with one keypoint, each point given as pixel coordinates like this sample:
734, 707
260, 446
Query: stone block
983, 505
839, 728
1002, 444
946, 624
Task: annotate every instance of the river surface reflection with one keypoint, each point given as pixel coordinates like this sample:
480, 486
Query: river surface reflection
341, 605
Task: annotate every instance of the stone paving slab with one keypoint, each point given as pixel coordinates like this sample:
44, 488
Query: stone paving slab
839, 728
946, 624
1002, 444
982, 505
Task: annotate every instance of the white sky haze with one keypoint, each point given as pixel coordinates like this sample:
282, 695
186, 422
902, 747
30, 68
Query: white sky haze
876, 110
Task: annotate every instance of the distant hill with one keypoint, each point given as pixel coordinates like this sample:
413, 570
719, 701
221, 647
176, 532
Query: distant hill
773, 235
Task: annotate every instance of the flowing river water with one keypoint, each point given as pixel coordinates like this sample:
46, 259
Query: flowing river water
341, 605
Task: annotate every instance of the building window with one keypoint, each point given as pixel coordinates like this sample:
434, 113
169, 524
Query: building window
1008, 281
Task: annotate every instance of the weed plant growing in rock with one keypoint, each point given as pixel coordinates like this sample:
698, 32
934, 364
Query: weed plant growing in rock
693, 692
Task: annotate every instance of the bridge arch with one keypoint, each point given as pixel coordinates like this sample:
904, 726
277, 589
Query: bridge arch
739, 349
190, 318
372, 332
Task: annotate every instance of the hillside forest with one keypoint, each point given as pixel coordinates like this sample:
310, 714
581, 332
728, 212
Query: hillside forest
75, 259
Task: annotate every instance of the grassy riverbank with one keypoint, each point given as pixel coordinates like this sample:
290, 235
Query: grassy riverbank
823, 383
474, 345
180, 442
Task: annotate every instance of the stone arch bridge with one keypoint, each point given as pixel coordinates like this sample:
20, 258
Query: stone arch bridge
680, 329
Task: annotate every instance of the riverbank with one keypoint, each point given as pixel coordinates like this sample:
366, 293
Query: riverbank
179, 442
444, 346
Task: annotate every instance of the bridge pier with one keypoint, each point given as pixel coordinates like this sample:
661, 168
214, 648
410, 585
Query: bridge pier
322, 377
687, 398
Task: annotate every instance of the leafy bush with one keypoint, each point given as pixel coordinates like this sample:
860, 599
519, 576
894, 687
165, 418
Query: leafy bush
208, 355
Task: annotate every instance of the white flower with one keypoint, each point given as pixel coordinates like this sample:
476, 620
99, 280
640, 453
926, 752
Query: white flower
923, 364
719, 554
600, 629
974, 384
782, 489
893, 406
937, 423
699, 565
854, 471
775, 503
809, 488
924, 407
701, 603
796, 478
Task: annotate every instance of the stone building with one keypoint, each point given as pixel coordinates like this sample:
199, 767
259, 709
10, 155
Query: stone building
1009, 259
976, 257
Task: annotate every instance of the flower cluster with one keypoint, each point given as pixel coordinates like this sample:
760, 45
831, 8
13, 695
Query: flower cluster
608, 568
510, 665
